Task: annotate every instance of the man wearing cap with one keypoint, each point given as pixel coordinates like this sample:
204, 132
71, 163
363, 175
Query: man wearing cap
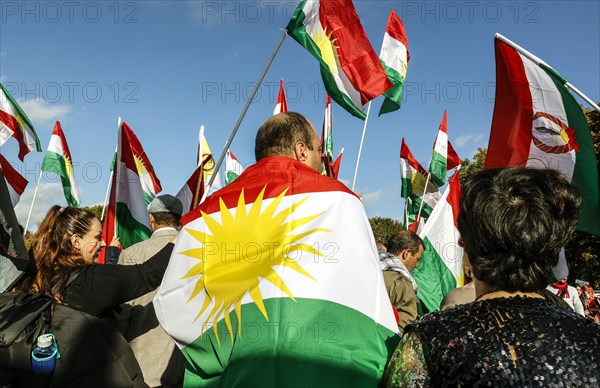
162, 364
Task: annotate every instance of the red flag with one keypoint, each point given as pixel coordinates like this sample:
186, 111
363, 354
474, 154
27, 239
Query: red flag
14, 181
335, 167
281, 105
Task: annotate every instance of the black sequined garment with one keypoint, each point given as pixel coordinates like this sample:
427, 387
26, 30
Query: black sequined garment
499, 342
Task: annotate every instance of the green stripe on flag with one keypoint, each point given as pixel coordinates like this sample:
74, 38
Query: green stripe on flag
438, 169
129, 230
55, 163
406, 188
433, 277
585, 175
302, 351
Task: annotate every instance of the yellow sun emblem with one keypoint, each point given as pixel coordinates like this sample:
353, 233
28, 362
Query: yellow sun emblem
328, 49
242, 249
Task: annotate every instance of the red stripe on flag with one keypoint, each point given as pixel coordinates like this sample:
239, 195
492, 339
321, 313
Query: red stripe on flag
9, 120
138, 150
395, 29
277, 174
407, 155
510, 136
454, 197
13, 178
357, 58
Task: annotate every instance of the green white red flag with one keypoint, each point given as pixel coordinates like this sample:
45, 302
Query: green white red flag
394, 57
261, 265
148, 179
15, 182
441, 267
281, 105
127, 213
538, 123
414, 179
233, 168
15, 123
331, 31
59, 161
327, 139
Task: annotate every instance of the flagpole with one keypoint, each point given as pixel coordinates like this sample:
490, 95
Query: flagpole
362, 139
32, 203
200, 146
538, 61
250, 98
110, 178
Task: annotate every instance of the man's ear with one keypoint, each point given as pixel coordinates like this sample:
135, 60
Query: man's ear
300, 151
404, 254
151, 216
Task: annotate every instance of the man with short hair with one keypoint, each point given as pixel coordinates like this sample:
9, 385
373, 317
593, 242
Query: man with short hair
162, 364
275, 279
404, 252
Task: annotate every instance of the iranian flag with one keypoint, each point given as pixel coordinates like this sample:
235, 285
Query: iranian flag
538, 123
15, 123
58, 160
441, 266
394, 57
414, 179
127, 215
261, 288
281, 105
233, 168
15, 182
331, 31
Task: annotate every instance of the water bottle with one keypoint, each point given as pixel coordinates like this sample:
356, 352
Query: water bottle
45, 354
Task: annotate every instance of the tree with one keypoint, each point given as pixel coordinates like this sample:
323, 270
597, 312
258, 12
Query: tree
97, 210
471, 167
384, 228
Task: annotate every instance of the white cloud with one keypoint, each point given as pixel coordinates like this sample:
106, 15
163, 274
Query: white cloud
43, 112
372, 198
3, 78
465, 140
48, 194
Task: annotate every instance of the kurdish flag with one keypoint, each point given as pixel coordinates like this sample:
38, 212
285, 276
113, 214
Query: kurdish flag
15, 182
148, 179
439, 157
538, 123
331, 31
281, 105
441, 266
414, 178
192, 192
394, 57
58, 160
261, 288
14, 122
233, 168
127, 215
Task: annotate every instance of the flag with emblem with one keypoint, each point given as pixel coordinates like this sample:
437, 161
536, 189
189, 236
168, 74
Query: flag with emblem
281, 105
148, 179
15, 123
538, 123
127, 213
209, 168
440, 269
394, 57
58, 160
192, 193
15, 182
264, 272
331, 31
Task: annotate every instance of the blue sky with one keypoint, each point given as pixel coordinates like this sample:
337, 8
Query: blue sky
166, 67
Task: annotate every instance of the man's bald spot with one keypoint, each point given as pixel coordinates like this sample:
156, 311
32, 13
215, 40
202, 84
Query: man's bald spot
280, 133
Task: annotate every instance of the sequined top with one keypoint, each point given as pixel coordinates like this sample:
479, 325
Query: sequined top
498, 342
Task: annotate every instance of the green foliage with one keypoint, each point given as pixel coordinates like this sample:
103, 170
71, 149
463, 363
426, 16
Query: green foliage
470, 167
384, 228
97, 210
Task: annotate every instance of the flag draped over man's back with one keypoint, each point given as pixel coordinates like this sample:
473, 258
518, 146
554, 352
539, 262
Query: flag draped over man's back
14, 122
331, 31
58, 160
538, 123
441, 267
267, 286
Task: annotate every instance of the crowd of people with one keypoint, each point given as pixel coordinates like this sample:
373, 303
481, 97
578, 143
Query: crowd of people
502, 329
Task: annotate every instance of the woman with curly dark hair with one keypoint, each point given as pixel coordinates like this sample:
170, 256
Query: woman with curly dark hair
513, 222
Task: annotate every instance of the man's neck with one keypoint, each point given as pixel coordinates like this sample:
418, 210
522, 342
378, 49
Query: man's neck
163, 227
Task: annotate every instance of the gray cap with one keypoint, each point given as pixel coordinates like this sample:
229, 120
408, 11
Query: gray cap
166, 204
